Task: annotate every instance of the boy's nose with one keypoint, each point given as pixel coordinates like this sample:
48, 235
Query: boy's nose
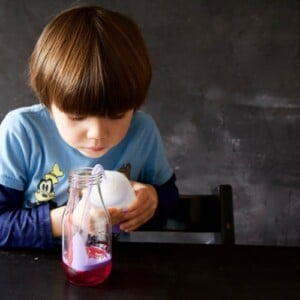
97, 129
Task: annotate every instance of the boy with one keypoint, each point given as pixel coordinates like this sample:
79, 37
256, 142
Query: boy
91, 72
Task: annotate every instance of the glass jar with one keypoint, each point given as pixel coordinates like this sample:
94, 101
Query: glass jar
86, 230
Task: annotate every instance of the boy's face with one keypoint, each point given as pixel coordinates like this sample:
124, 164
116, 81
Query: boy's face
91, 135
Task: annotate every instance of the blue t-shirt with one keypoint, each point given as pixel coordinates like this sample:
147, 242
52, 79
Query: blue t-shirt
36, 160
35, 163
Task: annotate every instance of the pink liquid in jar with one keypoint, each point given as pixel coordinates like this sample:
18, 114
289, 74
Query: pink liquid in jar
94, 272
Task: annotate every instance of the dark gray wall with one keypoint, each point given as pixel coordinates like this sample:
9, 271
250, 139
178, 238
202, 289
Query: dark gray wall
225, 94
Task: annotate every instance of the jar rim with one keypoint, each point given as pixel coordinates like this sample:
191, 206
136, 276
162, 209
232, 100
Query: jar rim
83, 176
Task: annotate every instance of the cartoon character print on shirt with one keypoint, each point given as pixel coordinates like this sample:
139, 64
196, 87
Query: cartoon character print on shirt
45, 188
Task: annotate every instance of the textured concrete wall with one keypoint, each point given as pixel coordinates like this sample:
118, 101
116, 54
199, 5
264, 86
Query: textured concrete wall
225, 94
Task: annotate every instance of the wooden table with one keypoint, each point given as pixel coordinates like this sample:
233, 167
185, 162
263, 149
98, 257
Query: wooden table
160, 271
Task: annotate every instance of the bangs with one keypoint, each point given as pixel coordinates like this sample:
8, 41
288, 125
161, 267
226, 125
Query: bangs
90, 106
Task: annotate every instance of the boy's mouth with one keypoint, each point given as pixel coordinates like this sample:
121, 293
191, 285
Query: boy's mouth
96, 149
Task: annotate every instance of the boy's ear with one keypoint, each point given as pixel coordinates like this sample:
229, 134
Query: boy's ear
49, 108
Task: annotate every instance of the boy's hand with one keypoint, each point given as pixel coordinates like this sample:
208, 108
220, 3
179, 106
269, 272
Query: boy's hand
143, 207
139, 212
116, 215
56, 220
92, 221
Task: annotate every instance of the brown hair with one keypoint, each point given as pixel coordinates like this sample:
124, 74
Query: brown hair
91, 61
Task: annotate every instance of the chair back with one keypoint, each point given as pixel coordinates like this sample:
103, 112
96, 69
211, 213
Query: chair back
206, 213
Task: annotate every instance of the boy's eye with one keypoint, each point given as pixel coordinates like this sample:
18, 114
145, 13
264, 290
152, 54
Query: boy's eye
75, 118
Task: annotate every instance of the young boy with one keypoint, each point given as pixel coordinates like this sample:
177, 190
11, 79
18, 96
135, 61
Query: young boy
91, 72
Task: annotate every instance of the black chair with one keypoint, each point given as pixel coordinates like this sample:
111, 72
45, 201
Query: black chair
211, 213
199, 218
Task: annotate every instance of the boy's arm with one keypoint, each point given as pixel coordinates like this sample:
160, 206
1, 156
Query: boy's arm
56, 216
168, 197
19, 227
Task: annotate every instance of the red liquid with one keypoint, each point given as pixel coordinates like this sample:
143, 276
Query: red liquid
94, 274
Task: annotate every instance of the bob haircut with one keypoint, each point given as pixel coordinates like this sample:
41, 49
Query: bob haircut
91, 61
